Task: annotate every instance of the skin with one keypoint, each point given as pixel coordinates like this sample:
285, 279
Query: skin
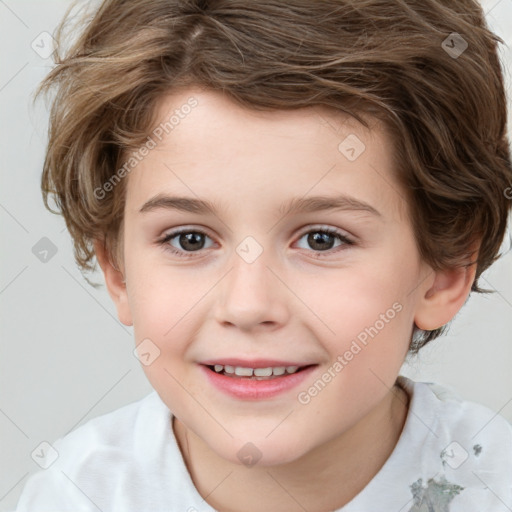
287, 304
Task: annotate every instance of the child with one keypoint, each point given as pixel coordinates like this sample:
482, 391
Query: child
285, 199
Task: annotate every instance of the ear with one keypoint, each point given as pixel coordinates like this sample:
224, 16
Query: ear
114, 279
444, 297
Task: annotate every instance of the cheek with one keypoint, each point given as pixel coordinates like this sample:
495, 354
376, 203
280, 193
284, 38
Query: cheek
356, 298
163, 301
366, 322
164, 305
371, 328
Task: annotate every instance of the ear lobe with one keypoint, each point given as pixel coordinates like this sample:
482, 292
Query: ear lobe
442, 301
114, 280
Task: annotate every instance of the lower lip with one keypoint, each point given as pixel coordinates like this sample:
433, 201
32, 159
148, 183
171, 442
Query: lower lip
252, 389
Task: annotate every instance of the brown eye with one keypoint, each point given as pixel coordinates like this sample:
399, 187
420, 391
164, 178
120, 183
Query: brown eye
324, 240
192, 241
320, 240
185, 242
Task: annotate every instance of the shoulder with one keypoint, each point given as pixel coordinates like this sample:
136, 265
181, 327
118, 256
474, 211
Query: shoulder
119, 429
460, 417
79, 467
463, 446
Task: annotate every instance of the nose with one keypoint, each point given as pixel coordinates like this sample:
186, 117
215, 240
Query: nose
252, 296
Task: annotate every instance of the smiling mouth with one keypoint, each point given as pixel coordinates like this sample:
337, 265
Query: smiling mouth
269, 373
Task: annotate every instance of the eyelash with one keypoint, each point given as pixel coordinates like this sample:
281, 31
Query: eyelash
164, 242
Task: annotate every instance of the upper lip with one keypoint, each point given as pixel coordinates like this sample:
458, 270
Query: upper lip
255, 363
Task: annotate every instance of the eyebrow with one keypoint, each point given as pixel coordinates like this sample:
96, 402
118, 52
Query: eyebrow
296, 205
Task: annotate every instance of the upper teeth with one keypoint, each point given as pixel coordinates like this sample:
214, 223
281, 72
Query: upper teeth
258, 372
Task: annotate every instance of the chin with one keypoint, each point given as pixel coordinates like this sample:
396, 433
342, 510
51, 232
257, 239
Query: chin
261, 452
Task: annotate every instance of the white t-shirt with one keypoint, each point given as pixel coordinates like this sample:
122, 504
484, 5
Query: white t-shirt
452, 456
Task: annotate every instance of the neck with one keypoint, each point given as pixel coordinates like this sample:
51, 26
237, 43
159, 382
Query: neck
353, 459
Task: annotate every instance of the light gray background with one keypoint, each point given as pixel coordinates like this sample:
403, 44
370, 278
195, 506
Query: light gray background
65, 358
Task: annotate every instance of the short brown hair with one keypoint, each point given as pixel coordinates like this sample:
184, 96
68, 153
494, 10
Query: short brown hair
428, 68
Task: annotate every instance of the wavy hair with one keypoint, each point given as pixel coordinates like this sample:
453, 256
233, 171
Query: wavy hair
429, 69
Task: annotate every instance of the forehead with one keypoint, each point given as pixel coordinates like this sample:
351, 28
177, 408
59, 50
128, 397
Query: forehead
202, 110
207, 145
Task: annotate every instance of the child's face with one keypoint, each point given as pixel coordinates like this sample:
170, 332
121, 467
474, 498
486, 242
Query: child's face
351, 303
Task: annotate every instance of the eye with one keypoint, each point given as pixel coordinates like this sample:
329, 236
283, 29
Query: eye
187, 241
322, 240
